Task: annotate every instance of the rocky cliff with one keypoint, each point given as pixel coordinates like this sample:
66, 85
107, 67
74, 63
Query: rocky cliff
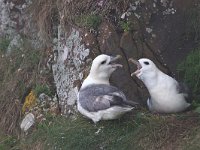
72, 32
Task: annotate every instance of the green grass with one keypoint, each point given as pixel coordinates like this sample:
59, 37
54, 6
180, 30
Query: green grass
193, 23
126, 25
21, 59
18, 70
81, 134
7, 142
190, 70
88, 21
62, 133
138, 131
193, 143
4, 43
42, 89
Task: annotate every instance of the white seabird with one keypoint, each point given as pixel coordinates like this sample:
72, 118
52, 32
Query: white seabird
166, 94
97, 99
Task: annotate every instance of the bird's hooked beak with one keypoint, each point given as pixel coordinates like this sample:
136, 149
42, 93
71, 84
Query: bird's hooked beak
113, 60
136, 62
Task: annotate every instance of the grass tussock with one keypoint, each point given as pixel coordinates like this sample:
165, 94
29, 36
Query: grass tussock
4, 43
193, 23
39, 88
190, 69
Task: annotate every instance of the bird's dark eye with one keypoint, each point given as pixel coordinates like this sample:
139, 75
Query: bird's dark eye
146, 63
103, 62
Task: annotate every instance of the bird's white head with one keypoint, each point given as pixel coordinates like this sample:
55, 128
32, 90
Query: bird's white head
146, 69
102, 68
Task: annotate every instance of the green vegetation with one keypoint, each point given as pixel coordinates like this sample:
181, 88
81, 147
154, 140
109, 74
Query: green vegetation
193, 143
193, 23
89, 21
134, 131
126, 25
23, 59
4, 43
7, 142
19, 58
32, 57
190, 69
42, 89
18, 70
83, 134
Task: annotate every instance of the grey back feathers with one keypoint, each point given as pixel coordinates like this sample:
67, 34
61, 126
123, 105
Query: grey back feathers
97, 97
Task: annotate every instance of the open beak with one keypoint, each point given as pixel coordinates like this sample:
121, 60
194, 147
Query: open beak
136, 62
113, 61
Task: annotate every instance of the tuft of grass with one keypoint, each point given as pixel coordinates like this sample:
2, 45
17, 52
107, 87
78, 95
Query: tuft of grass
190, 69
193, 23
88, 21
4, 43
33, 57
7, 142
126, 26
23, 59
42, 89
193, 141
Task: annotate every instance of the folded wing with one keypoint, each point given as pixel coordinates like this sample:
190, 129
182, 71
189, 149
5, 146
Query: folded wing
100, 97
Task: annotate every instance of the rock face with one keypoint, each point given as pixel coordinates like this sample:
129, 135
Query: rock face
110, 43
16, 25
68, 66
153, 33
141, 28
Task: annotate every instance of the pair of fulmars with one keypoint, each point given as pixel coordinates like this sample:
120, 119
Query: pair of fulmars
98, 100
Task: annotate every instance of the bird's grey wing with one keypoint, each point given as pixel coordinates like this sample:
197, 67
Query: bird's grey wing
183, 88
120, 98
97, 97
115, 96
106, 101
101, 102
100, 97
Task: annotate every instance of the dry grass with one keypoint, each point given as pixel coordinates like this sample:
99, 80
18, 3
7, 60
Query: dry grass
11, 92
168, 132
10, 113
48, 14
43, 12
36, 146
9, 105
17, 75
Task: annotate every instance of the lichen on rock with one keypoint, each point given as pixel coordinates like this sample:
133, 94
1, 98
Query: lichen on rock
30, 101
68, 67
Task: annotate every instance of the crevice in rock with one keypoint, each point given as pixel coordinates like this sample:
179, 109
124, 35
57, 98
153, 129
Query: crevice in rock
136, 46
98, 44
129, 70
